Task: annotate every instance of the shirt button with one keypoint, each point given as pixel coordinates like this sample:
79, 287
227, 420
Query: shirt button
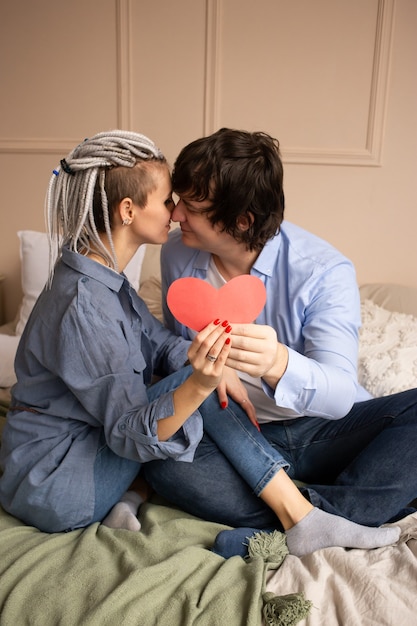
84, 279
122, 427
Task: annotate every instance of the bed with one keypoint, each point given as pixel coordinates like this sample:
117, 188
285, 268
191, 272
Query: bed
167, 574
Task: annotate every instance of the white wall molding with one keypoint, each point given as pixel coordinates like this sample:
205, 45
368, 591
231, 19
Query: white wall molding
370, 154
380, 79
37, 145
124, 64
212, 69
60, 145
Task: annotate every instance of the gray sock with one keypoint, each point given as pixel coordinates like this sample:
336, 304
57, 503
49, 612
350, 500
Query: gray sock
124, 513
319, 529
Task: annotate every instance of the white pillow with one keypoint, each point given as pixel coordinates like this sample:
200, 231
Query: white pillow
134, 267
8, 347
34, 257
34, 260
150, 292
387, 350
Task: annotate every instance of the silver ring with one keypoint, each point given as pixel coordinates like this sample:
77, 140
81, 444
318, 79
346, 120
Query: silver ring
211, 358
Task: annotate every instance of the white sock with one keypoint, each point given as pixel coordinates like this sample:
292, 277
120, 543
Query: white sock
319, 529
124, 513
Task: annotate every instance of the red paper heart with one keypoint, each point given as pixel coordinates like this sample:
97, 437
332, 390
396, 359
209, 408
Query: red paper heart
195, 303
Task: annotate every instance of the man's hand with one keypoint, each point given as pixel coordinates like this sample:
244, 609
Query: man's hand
257, 351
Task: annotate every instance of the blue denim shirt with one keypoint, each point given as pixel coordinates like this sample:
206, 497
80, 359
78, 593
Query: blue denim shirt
83, 365
312, 303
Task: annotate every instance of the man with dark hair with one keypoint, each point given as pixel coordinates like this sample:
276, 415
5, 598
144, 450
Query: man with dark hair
295, 369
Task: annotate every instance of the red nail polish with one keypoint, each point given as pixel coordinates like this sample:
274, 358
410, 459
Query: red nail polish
227, 340
225, 323
228, 329
223, 405
216, 321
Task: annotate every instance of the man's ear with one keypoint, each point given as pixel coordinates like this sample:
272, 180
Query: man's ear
125, 211
244, 222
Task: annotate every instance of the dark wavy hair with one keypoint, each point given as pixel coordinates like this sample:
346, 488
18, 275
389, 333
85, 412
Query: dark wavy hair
241, 173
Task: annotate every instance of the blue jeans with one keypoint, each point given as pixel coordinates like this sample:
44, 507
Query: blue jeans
362, 467
114, 474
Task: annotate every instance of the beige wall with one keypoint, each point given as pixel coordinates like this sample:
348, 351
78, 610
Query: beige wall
335, 81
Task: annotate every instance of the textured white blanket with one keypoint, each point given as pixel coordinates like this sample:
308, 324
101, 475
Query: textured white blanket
387, 351
356, 587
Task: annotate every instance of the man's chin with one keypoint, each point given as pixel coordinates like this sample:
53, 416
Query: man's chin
188, 239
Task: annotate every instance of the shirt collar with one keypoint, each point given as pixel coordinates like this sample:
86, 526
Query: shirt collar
265, 262
92, 269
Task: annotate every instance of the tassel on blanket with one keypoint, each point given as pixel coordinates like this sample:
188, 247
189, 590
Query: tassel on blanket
285, 610
278, 610
271, 547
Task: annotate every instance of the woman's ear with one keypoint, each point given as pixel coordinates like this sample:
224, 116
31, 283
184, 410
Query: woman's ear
244, 222
125, 211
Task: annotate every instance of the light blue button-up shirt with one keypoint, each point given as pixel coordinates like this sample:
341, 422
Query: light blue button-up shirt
83, 365
312, 303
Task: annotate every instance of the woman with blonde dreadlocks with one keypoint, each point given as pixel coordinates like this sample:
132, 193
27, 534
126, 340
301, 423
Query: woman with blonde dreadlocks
84, 414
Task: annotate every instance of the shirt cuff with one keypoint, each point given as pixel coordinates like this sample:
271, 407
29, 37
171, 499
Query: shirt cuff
181, 446
295, 390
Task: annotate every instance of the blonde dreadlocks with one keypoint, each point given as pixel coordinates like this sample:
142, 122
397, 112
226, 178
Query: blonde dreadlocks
69, 204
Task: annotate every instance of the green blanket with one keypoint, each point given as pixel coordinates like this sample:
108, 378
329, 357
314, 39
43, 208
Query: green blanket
164, 575
4, 403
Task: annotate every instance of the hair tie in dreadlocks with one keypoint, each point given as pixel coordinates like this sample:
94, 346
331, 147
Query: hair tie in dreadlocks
66, 167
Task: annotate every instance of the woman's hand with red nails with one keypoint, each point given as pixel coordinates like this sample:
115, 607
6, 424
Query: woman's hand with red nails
213, 342
208, 353
231, 386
